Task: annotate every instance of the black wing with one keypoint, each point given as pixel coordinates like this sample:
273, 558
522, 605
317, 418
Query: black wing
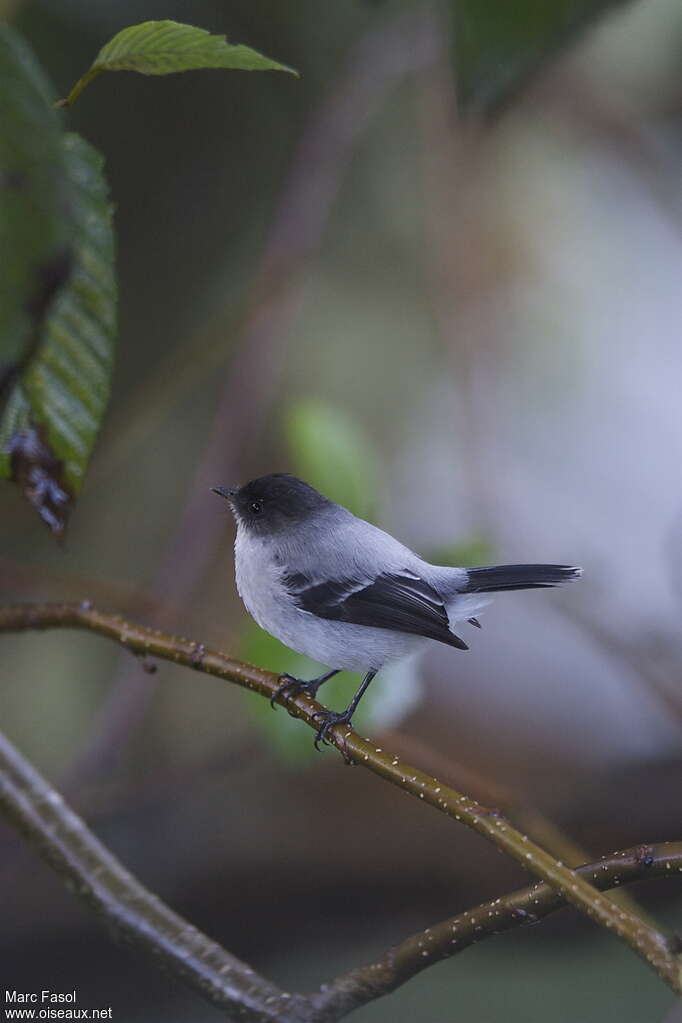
400, 601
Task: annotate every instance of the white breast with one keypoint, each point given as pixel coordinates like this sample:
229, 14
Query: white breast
335, 644
258, 579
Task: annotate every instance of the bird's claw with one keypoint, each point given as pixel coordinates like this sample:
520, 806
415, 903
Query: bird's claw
329, 719
286, 682
292, 687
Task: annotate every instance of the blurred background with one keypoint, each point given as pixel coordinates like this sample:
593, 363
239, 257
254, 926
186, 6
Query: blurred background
461, 321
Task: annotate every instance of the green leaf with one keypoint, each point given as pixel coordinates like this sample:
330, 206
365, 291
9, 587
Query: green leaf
58, 394
330, 451
34, 227
166, 47
56, 291
499, 45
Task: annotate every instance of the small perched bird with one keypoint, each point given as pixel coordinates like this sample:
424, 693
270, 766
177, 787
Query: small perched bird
345, 593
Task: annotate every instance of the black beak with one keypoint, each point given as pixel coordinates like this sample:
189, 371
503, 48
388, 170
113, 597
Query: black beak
226, 492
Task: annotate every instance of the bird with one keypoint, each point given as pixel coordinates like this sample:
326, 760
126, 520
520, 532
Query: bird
345, 593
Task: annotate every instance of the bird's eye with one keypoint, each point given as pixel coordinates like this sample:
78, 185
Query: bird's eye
256, 507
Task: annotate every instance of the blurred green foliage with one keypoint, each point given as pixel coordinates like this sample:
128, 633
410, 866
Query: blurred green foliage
393, 694
283, 733
477, 550
329, 450
498, 45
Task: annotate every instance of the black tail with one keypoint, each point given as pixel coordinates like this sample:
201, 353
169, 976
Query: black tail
518, 577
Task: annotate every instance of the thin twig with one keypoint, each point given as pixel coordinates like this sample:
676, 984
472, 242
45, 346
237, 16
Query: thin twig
647, 942
518, 909
523, 815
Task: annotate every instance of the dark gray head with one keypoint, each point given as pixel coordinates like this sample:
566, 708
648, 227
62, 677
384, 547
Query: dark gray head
273, 503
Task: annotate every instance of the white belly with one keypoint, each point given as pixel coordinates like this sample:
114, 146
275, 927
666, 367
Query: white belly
334, 644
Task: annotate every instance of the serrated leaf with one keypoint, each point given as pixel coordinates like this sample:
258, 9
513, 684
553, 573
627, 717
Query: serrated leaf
499, 45
330, 451
167, 47
56, 402
34, 228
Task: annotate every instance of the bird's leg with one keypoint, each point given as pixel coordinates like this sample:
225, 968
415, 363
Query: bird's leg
329, 718
293, 686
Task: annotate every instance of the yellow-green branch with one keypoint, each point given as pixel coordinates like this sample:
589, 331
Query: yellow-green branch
645, 940
517, 909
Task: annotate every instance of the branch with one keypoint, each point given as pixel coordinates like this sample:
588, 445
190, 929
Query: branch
518, 909
643, 939
523, 815
136, 915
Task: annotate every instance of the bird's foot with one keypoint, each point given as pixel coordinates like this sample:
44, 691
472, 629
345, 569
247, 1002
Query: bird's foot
329, 719
290, 687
